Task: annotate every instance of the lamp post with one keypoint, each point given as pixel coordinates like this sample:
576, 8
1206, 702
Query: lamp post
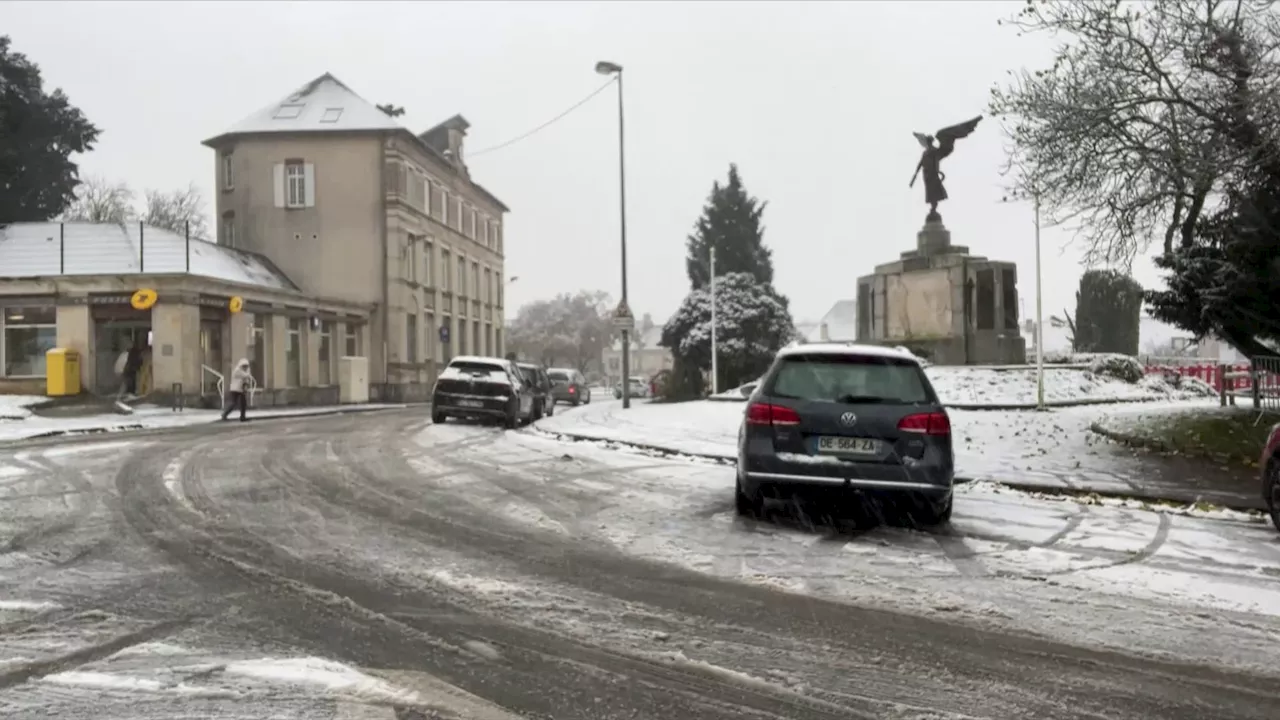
607, 68
1039, 317
715, 374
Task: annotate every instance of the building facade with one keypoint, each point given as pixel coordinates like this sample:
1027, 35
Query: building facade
369, 240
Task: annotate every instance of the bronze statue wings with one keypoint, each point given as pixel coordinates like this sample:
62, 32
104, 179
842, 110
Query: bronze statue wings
947, 136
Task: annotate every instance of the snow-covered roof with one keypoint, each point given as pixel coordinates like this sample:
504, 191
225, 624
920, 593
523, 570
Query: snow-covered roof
497, 362
846, 349
324, 104
841, 321
36, 250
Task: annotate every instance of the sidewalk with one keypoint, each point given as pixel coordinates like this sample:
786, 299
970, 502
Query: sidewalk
150, 417
1051, 452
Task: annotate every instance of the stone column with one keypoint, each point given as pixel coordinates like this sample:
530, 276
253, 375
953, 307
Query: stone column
175, 347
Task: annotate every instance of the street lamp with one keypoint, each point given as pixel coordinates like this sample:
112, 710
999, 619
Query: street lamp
715, 370
1039, 317
608, 68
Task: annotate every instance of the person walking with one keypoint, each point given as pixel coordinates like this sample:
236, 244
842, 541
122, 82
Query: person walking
238, 390
128, 365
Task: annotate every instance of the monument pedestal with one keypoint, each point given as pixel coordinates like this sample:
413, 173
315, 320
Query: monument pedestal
944, 303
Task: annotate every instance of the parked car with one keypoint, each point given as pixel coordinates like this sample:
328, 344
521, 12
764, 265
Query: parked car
845, 421
536, 376
639, 388
482, 387
569, 386
1271, 474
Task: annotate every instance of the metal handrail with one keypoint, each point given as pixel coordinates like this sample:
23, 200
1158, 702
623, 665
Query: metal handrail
222, 399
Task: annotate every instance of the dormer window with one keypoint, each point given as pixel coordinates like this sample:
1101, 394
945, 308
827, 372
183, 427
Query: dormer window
289, 111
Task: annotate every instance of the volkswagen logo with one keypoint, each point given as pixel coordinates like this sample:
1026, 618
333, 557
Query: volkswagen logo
848, 419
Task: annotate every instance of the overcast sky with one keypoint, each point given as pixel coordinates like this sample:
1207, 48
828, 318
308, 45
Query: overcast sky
815, 102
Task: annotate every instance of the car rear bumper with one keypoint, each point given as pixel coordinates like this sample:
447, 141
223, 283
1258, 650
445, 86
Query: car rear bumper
454, 405
780, 474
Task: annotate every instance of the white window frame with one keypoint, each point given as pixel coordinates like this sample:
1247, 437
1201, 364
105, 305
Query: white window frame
295, 179
446, 260
444, 196
411, 338
428, 262
462, 275
229, 230
429, 323
5, 326
351, 343
457, 211
228, 174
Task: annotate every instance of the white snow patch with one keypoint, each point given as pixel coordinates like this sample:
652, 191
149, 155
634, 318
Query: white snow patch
104, 681
161, 649
327, 675
475, 584
172, 477
27, 605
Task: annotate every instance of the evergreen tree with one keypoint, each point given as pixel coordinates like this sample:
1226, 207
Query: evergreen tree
730, 223
38, 133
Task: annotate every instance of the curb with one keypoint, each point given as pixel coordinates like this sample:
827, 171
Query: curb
139, 427
1021, 486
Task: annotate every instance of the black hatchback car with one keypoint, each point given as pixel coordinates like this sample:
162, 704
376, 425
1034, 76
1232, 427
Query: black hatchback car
841, 421
482, 387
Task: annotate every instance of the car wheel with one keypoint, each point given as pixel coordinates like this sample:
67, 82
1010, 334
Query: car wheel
551, 407
438, 418
1271, 491
588, 400
928, 514
745, 505
537, 413
512, 419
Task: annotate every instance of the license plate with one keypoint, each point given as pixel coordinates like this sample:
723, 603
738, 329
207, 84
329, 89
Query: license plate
471, 403
848, 445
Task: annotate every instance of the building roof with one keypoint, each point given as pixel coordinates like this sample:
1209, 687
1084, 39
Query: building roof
836, 348
53, 249
325, 104
841, 321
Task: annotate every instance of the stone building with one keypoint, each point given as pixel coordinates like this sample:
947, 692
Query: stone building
943, 303
342, 232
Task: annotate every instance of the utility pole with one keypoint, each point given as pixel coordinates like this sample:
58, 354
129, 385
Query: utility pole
715, 370
1039, 317
608, 68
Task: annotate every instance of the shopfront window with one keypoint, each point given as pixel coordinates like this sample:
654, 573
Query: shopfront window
326, 352
258, 349
28, 333
293, 354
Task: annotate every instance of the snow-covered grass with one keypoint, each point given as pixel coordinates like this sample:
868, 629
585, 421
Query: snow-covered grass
976, 387
1053, 449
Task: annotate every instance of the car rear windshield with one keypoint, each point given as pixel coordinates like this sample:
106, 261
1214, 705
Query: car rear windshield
558, 375
476, 368
851, 379
529, 374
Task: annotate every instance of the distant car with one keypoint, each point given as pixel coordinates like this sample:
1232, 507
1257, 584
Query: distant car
639, 388
569, 386
482, 387
844, 421
1271, 474
536, 376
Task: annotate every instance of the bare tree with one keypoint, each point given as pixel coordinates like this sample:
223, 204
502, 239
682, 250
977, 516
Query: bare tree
1125, 135
100, 201
177, 210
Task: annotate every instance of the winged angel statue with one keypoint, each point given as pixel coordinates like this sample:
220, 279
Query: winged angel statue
931, 160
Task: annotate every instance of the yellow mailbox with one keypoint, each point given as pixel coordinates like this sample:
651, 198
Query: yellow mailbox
62, 372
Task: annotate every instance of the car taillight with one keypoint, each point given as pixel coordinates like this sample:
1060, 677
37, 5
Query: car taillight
766, 414
570, 389
926, 423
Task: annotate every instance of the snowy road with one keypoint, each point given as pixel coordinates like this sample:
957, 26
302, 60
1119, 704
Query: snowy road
380, 567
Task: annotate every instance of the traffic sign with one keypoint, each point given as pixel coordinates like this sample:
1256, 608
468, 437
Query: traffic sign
624, 322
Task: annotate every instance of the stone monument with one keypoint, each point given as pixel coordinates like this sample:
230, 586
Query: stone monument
945, 304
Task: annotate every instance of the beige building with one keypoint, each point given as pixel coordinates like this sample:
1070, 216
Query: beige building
342, 232
648, 358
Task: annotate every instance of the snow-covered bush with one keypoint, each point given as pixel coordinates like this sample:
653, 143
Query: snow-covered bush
752, 324
1120, 367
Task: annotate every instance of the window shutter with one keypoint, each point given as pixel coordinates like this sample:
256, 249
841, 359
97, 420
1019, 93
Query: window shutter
309, 173
278, 183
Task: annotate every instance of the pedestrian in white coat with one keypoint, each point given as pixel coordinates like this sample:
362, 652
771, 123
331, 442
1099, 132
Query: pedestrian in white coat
238, 390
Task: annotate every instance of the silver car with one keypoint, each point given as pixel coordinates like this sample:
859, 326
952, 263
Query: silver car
569, 386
